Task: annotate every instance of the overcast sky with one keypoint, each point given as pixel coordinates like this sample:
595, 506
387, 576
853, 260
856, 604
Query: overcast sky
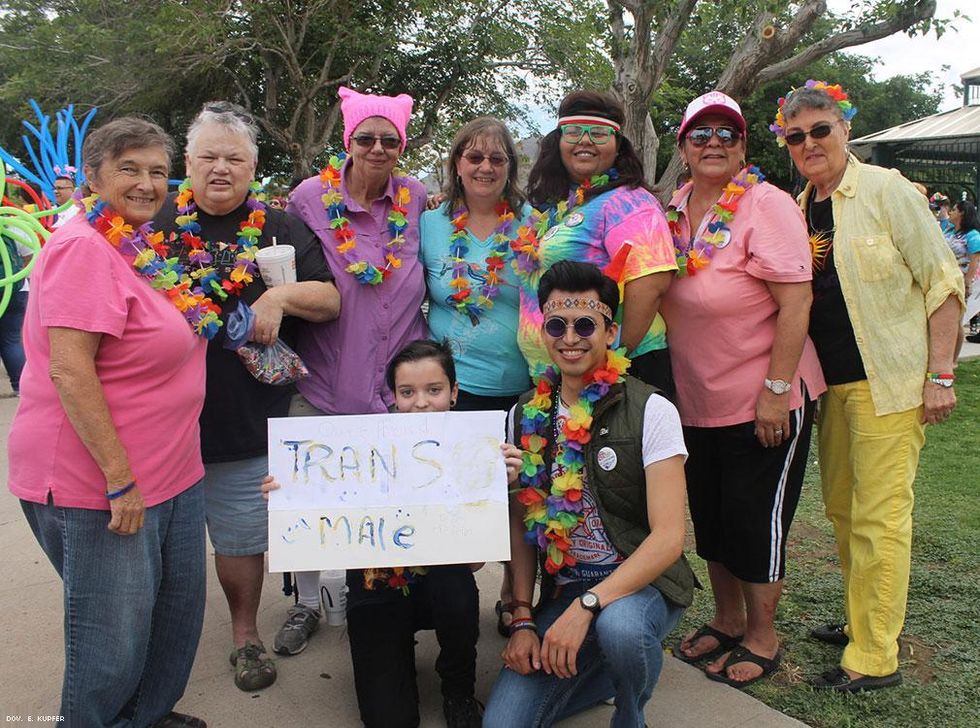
902, 55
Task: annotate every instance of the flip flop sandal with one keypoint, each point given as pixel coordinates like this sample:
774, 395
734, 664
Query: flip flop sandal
725, 643
743, 654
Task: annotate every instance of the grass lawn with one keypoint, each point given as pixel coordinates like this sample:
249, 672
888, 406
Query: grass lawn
940, 643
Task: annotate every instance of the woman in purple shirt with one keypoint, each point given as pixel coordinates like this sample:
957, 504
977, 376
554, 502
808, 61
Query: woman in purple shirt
367, 219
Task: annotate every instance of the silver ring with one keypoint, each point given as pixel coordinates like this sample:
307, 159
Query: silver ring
779, 431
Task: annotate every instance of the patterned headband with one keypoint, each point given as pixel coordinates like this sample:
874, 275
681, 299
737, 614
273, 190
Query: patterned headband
589, 303
588, 119
848, 110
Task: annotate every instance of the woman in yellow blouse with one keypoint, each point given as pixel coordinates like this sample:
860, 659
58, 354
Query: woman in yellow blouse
887, 300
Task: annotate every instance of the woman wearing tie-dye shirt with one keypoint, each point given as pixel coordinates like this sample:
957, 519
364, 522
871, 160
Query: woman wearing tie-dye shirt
588, 183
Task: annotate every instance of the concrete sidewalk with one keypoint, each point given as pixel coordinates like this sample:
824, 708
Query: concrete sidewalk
314, 688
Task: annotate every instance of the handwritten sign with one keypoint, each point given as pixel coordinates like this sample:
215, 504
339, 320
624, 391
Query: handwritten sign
387, 490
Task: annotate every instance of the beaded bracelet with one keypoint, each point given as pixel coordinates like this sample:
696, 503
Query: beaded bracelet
122, 491
940, 376
522, 625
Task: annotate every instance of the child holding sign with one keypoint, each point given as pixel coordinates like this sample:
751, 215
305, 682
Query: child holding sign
385, 607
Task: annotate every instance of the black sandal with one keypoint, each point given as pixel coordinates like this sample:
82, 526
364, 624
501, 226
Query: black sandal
743, 654
503, 628
725, 643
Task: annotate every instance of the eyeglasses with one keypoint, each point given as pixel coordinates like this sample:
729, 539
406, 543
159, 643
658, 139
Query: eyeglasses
598, 133
818, 132
63, 189
367, 141
556, 327
701, 135
476, 158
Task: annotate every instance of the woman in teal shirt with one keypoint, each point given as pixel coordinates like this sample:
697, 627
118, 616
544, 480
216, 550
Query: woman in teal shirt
473, 296
466, 250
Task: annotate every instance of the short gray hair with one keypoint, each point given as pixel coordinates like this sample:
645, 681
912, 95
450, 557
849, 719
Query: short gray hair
129, 132
810, 98
231, 116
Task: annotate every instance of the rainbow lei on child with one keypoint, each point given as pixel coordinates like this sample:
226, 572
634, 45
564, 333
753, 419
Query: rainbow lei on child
333, 203
527, 257
836, 92
692, 257
551, 516
250, 230
462, 299
398, 577
152, 262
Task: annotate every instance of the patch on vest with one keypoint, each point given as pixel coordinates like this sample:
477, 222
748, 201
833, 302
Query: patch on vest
607, 458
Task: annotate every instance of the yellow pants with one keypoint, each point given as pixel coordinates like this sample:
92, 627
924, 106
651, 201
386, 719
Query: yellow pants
867, 467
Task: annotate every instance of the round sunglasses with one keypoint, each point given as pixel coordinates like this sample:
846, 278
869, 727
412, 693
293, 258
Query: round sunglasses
700, 136
556, 327
367, 141
818, 132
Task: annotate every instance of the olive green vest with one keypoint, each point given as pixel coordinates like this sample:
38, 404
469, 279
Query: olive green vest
621, 492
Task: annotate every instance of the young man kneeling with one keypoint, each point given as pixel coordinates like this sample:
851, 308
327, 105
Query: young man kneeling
601, 505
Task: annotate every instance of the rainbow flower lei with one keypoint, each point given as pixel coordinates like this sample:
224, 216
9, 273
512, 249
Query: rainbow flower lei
462, 299
836, 92
692, 257
551, 516
152, 262
527, 257
398, 577
333, 203
250, 230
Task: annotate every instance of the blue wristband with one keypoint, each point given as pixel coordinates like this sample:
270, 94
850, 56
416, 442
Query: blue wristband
122, 491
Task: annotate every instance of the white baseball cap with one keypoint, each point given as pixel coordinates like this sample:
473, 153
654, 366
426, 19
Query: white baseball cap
713, 102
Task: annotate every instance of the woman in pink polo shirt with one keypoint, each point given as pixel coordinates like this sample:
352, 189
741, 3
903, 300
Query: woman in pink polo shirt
746, 377
104, 451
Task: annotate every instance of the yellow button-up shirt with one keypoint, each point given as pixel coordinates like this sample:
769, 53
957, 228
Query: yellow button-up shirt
895, 270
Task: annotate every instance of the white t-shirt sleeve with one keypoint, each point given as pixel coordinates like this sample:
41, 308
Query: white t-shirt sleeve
662, 434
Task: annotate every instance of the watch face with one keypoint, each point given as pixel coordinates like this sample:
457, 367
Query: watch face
589, 600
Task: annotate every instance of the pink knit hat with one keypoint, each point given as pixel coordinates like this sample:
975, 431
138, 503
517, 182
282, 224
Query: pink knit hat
357, 107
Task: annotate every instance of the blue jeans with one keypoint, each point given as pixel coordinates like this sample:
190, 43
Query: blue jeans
134, 606
620, 658
11, 346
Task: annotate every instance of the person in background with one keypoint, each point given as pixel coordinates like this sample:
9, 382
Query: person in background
747, 380
64, 188
367, 220
939, 204
473, 293
215, 224
20, 254
885, 320
105, 450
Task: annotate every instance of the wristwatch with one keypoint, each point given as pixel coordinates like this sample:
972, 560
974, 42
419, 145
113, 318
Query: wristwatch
590, 601
778, 386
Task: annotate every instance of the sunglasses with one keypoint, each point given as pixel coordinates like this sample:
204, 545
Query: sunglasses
476, 158
224, 107
367, 141
701, 135
599, 134
818, 132
556, 327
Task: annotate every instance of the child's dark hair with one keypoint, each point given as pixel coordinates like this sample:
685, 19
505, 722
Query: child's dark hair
417, 351
574, 277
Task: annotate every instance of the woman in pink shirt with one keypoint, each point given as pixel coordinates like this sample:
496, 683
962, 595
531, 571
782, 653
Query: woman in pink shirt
104, 451
746, 377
